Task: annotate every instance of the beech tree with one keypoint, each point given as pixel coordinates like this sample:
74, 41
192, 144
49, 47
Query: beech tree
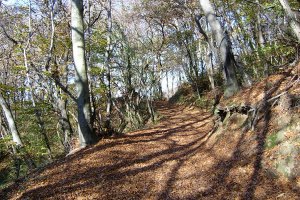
222, 43
18, 144
121, 57
11, 122
295, 25
85, 130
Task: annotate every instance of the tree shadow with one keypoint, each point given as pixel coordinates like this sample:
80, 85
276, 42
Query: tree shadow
221, 170
220, 187
118, 173
131, 173
158, 133
261, 137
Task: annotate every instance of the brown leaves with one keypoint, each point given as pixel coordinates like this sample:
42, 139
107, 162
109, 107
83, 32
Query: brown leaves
176, 159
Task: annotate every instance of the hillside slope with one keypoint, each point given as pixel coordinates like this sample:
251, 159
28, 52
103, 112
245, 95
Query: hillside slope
190, 154
180, 158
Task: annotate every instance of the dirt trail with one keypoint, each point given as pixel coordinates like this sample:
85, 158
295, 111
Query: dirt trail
175, 159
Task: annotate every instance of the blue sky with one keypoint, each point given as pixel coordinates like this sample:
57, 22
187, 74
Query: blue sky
11, 2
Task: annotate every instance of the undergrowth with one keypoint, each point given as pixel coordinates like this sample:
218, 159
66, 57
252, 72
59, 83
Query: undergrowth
186, 95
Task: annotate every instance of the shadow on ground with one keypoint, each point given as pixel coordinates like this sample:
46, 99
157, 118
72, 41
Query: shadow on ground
172, 160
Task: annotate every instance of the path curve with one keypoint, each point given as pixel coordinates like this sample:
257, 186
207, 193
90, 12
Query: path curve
172, 160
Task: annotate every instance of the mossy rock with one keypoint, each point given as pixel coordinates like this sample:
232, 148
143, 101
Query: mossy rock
290, 131
230, 90
286, 160
288, 163
235, 121
272, 141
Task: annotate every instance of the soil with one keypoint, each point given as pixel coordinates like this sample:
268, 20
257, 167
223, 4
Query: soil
182, 157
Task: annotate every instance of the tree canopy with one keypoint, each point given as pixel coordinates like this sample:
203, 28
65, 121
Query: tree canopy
73, 72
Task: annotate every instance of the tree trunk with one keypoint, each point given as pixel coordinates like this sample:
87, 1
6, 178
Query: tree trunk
37, 112
292, 17
65, 123
86, 135
224, 49
11, 122
16, 137
210, 69
107, 124
209, 51
89, 60
260, 39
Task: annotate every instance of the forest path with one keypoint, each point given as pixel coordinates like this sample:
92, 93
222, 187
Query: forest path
171, 160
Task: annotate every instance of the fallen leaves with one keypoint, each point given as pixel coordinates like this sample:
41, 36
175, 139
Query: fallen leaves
172, 160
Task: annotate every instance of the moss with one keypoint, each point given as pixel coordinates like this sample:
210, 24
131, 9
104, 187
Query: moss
182, 94
271, 141
203, 102
230, 90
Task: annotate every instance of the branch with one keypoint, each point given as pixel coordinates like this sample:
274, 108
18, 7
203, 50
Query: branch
64, 88
8, 36
197, 19
258, 4
285, 90
95, 20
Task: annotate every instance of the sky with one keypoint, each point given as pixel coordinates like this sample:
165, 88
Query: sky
167, 79
10, 2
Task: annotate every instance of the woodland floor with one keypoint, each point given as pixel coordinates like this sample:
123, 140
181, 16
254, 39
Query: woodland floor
176, 159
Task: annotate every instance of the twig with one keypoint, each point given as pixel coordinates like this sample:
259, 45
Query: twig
284, 92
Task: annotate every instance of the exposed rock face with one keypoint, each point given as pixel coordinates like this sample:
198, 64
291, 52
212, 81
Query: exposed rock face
237, 121
282, 146
284, 106
286, 144
287, 163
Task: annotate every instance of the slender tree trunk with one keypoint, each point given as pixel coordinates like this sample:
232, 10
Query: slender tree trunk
52, 39
64, 123
260, 36
86, 135
108, 67
37, 112
224, 49
210, 69
16, 137
167, 82
173, 78
260, 39
11, 122
61, 106
150, 109
292, 18
89, 57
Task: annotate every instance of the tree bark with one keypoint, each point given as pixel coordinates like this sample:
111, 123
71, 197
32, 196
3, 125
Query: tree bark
209, 51
108, 67
16, 136
65, 123
11, 122
86, 135
224, 49
292, 17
